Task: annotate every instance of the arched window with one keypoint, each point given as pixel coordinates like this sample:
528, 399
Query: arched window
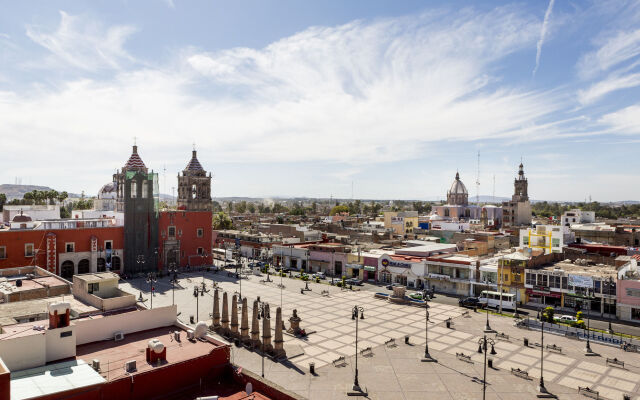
83, 266
66, 270
134, 189
194, 191
145, 189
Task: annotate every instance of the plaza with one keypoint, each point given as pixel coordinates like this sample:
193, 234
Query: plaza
396, 371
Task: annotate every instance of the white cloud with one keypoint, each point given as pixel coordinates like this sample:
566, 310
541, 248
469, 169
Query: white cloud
613, 50
543, 34
360, 93
82, 43
625, 121
606, 86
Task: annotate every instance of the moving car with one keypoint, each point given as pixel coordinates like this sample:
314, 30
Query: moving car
470, 302
566, 318
320, 275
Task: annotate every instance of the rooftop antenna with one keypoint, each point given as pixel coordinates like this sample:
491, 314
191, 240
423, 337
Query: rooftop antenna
478, 182
494, 188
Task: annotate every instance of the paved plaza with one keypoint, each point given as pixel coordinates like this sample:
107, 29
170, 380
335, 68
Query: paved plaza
396, 372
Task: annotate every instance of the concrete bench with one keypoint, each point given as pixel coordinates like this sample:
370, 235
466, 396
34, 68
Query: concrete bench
588, 392
464, 357
615, 362
366, 352
390, 343
339, 362
555, 348
502, 336
520, 373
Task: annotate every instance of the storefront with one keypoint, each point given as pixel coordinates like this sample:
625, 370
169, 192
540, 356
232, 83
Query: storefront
543, 295
404, 270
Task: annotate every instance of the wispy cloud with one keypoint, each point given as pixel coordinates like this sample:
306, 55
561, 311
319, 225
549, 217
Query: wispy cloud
613, 50
543, 34
82, 43
626, 121
611, 84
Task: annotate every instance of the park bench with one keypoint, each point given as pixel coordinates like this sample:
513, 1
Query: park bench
520, 373
615, 362
464, 357
325, 293
390, 343
555, 348
449, 322
588, 392
502, 336
466, 314
366, 352
339, 362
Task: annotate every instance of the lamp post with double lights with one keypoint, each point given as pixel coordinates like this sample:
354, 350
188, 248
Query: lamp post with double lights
357, 313
151, 279
587, 348
262, 313
541, 388
609, 282
173, 270
483, 343
140, 261
427, 356
197, 292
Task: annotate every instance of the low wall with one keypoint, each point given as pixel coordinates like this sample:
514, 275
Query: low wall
581, 334
102, 328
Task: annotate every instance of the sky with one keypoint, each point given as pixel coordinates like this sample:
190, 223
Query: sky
363, 98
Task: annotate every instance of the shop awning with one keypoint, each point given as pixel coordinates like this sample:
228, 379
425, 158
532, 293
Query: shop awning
370, 269
354, 266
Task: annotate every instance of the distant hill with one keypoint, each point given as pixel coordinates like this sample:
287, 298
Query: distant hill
18, 191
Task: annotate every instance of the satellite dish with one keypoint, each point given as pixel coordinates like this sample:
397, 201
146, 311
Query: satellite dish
249, 388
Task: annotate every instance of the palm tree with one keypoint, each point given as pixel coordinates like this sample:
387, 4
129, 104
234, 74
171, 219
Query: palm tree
63, 196
28, 197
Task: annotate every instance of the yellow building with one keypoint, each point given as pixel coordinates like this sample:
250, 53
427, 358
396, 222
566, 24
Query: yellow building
402, 222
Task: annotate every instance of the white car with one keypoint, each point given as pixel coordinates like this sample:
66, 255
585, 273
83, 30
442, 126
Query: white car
566, 318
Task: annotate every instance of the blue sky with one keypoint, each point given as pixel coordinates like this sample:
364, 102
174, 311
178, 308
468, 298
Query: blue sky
291, 98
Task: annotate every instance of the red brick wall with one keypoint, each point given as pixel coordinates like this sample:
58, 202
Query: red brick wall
187, 224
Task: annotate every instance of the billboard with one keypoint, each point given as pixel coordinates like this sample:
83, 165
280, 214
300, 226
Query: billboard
580, 281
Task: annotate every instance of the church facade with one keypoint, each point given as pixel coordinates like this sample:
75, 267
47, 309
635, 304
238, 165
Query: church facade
517, 212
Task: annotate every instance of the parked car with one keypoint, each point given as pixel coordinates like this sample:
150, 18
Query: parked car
320, 275
470, 302
354, 281
416, 295
391, 286
566, 318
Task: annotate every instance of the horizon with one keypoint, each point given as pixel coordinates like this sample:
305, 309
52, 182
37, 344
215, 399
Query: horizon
309, 99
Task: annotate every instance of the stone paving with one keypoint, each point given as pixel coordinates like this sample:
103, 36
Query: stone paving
396, 372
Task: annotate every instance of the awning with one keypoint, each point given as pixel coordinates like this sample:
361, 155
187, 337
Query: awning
543, 293
354, 266
370, 269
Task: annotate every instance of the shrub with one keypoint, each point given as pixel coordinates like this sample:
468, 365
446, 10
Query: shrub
547, 314
579, 324
579, 315
317, 280
339, 284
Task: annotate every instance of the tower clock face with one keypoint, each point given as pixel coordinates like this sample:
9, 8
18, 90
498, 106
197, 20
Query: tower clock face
194, 191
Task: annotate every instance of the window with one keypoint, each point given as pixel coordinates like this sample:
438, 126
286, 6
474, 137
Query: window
28, 250
172, 231
66, 334
530, 279
555, 242
94, 287
3, 252
200, 232
145, 189
635, 313
525, 240
134, 189
70, 247
564, 282
200, 251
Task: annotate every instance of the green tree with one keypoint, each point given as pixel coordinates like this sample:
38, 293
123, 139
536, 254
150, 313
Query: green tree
241, 207
63, 196
279, 208
3, 200
230, 206
339, 209
216, 207
28, 197
251, 207
221, 221
314, 207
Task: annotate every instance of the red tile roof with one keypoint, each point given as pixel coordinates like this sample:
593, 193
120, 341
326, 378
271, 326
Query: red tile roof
135, 162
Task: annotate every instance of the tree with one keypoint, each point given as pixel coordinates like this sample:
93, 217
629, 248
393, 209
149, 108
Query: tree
339, 209
28, 197
3, 200
251, 207
263, 209
314, 207
63, 196
241, 207
279, 208
230, 206
221, 221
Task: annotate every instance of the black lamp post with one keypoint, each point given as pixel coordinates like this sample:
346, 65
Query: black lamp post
541, 387
357, 313
609, 286
197, 292
173, 270
140, 261
427, 356
151, 279
588, 347
487, 328
261, 314
482, 348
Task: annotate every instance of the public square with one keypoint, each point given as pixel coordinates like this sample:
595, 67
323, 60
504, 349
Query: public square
396, 371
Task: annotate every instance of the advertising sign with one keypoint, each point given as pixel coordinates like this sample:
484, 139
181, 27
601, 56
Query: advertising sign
397, 220
580, 281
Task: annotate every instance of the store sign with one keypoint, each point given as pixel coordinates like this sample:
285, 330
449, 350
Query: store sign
545, 272
580, 281
439, 276
390, 263
397, 220
543, 293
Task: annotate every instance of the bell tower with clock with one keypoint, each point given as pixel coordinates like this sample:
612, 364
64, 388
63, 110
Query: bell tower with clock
194, 187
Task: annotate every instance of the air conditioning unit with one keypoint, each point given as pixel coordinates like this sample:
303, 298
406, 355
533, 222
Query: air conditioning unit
96, 364
176, 336
130, 366
118, 336
191, 334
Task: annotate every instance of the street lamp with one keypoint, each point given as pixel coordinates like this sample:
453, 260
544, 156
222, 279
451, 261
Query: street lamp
140, 261
587, 349
487, 328
427, 356
173, 270
482, 348
197, 292
261, 314
151, 279
355, 312
609, 282
541, 387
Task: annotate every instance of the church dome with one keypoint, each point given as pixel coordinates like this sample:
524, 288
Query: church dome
457, 187
21, 218
135, 163
108, 191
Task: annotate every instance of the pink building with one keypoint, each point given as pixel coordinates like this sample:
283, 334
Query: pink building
330, 258
628, 292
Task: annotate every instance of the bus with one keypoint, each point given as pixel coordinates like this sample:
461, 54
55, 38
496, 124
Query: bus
492, 299
218, 254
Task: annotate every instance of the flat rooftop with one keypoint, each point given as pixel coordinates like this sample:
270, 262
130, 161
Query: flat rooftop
40, 282
113, 355
53, 378
587, 270
12, 313
96, 276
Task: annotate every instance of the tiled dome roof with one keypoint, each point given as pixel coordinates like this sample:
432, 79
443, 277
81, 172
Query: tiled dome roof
457, 187
194, 164
135, 162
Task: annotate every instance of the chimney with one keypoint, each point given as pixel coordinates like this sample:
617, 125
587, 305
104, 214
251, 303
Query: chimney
59, 315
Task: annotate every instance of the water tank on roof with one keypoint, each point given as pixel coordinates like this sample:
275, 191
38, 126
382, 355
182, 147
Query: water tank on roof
201, 329
156, 345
